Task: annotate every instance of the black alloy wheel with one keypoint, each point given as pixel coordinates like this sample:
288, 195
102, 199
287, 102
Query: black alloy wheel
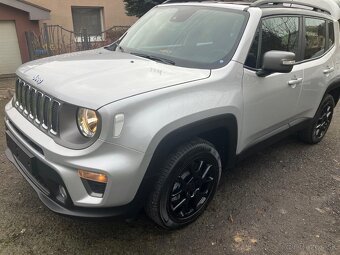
319, 125
187, 182
324, 121
192, 187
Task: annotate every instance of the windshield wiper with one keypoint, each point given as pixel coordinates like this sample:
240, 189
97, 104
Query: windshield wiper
154, 58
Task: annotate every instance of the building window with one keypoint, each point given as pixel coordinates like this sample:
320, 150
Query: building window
89, 19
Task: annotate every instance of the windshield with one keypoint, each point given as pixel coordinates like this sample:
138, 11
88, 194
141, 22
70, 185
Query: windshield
188, 36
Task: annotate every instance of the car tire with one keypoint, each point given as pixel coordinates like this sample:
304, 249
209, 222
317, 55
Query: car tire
187, 182
318, 127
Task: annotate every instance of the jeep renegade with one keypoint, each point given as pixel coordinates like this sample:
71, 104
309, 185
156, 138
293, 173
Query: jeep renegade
151, 120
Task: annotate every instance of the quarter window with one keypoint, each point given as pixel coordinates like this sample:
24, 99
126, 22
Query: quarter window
315, 37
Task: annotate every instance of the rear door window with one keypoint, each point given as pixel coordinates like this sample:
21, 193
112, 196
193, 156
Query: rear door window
315, 38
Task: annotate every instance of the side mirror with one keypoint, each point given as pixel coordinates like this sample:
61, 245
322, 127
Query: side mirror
277, 62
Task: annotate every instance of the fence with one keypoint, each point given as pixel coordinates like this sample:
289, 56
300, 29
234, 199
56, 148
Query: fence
54, 40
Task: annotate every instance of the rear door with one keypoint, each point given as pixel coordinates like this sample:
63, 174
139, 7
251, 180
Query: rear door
318, 61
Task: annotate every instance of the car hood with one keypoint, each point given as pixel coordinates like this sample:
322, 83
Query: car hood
98, 77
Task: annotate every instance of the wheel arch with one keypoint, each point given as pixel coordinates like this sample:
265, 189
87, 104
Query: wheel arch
211, 129
220, 130
334, 90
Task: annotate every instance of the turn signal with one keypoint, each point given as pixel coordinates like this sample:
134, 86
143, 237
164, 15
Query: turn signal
96, 177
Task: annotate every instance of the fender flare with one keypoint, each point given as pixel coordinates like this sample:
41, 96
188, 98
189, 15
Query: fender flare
171, 140
187, 132
334, 85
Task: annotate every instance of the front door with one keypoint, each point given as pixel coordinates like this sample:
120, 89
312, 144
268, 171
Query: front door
270, 102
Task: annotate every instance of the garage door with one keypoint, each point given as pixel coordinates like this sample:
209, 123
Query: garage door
10, 58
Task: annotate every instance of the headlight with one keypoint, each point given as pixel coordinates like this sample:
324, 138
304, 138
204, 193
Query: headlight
87, 122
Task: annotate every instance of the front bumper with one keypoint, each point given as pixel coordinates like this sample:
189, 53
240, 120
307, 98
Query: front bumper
122, 166
71, 210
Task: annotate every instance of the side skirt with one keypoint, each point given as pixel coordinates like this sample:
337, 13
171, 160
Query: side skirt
272, 140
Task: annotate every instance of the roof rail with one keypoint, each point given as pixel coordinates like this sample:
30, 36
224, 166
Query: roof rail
216, 1
293, 4
267, 3
181, 1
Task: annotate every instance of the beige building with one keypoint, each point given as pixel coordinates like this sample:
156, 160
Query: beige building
93, 15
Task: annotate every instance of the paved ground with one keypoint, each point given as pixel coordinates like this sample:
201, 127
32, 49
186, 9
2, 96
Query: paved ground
284, 200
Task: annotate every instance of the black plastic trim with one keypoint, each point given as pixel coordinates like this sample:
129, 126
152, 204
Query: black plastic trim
272, 140
187, 132
94, 189
334, 86
46, 179
179, 136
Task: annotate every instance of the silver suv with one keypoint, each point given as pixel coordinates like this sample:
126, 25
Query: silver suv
151, 120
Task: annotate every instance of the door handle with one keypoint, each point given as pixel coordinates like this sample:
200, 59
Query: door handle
295, 82
329, 70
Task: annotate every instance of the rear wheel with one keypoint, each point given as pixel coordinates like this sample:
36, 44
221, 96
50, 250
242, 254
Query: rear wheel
187, 183
317, 130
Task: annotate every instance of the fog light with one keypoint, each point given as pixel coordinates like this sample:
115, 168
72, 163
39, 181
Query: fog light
96, 177
62, 192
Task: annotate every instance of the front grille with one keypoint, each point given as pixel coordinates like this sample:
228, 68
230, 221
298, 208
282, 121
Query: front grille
38, 107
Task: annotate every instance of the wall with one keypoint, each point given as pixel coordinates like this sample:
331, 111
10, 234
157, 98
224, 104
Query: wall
22, 24
114, 12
